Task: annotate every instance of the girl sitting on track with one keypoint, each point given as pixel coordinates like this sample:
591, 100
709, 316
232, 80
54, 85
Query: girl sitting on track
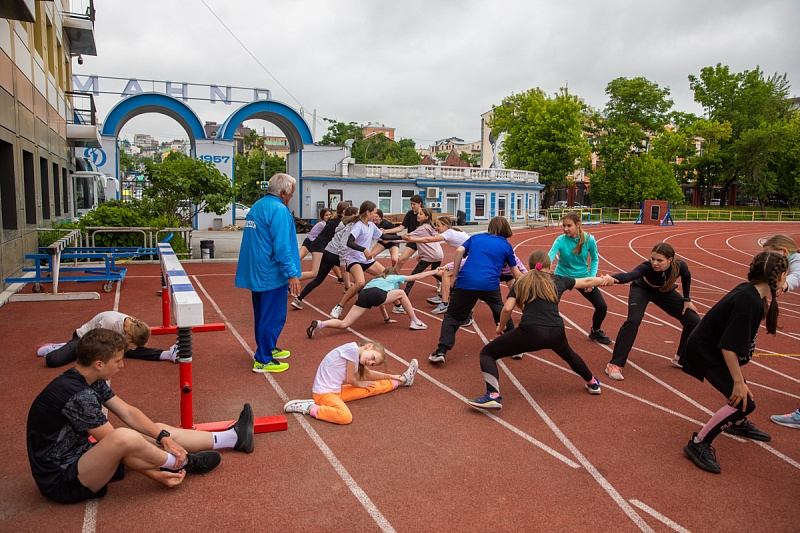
136, 332
377, 292
324, 216
345, 375
479, 279
654, 281
537, 294
430, 253
358, 256
573, 249
334, 236
788, 248
724, 341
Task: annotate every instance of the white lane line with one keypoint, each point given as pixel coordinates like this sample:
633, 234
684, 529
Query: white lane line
561, 457
351, 483
773, 390
90, 516
660, 517
598, 477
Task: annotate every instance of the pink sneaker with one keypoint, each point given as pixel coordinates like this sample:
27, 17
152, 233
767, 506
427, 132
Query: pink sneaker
45, 349
614, 372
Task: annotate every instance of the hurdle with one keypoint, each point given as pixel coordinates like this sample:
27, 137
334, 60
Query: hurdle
186, 305
651, 213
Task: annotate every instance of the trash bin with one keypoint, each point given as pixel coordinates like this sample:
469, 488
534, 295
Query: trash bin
207, 249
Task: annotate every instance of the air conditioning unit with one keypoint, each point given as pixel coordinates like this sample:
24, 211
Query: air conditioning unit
432, 193
435, 205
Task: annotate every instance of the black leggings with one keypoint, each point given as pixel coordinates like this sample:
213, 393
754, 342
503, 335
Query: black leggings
529, 339
595, 297
69, 353
461, 303
421, 266
329, 260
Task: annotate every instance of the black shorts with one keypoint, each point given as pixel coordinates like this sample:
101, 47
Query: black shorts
364, 266
389, 244
307, 243
68, 489
506, 277
411, 245
371, 297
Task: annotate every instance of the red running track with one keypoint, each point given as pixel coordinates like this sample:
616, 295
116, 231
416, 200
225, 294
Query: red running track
420, 459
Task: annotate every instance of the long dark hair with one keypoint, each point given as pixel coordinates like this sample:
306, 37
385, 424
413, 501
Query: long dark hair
576, 219
767, 267
668, 251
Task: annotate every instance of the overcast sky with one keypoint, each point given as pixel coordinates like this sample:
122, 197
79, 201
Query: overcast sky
430, 68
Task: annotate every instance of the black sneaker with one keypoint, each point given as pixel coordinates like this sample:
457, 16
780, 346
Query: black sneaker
436, 357
748, 430
599, 337
703, 455
202, 463
244, 430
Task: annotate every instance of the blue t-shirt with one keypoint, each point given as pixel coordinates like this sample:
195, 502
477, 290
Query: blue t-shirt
389, 283
487, 254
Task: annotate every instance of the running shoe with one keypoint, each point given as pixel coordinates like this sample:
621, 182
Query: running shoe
297, 303
487, 402
746, 429
791, 420
312, 329
676, 361
593, 387
614, 372
398, 310
277, 353
298, 406
468, 322
336, 312
244, 430
411, 373
440, 309
703, 455
599, 337
435, 300
45, 349
272, 366
436, 357
418, 325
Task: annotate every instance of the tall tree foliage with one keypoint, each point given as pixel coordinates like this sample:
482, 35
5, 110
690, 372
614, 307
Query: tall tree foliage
636, 114
253, 167
543, 134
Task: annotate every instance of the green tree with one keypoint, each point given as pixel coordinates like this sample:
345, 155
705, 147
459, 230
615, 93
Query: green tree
634, 118
339, 132
181, 180
253, 140
543, 134
126, 162
249, 173
472, 159
380, 150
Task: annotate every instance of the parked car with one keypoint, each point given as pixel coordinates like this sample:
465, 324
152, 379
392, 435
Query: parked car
241, 211
561, 204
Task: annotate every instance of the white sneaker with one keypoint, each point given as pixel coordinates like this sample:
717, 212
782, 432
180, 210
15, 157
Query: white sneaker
298, 406
418, 325
173, 353
435, 300
517, 356
440, 309
398, 310
45, 349
676, 361
411, 373
337, 311
297, 303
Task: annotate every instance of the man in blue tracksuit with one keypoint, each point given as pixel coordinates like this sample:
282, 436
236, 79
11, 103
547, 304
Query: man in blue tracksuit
269, 266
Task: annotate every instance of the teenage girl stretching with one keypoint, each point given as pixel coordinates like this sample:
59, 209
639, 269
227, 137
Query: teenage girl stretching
324, 216
573, 249
654, 281
724, 341
478, 279
334, 235
393, 247
786, 246
430, 253
345, 375
409, 224
358, 255
375, 293
537, 294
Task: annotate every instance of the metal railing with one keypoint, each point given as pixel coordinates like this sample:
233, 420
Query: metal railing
596, 214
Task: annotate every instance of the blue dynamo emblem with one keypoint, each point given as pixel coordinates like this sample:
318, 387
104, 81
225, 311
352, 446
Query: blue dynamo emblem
96, 156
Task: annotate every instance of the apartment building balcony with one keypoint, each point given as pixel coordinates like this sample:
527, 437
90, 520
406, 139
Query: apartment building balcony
435, 172
24, 10
82, 128
79, 27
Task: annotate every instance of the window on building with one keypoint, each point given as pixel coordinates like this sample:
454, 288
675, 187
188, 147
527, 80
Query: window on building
8, 192
44, 181
29, 180
334, 197
56, 190
65, 188
405, 207
452, 204
385, 201
480, 206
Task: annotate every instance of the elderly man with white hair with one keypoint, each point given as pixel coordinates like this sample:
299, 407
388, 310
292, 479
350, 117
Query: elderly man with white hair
269, 266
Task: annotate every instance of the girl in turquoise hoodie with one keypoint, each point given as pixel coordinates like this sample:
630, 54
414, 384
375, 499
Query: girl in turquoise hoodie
574, 249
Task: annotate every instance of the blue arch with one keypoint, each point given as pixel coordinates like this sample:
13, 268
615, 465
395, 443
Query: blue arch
139, 104
287, 119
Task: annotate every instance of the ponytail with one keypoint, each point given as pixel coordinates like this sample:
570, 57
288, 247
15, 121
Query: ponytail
767, 267
536, 283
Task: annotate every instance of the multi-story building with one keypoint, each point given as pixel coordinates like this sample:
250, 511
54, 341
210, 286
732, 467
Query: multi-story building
374, 128
444, 147
41, 118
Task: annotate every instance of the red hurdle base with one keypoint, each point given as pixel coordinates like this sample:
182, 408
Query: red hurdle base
264, 424
164, 330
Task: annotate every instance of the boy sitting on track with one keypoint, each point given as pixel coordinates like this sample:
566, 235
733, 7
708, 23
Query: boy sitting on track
68, 468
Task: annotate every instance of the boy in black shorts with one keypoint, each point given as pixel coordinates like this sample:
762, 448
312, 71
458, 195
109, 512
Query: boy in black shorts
68, 468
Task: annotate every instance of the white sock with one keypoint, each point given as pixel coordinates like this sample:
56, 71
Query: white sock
166, 355
170, 462
224, 439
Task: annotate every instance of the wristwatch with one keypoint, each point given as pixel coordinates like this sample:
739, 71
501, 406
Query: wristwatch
164, 433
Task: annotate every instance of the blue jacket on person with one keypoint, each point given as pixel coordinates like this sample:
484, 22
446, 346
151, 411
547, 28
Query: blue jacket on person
268, 256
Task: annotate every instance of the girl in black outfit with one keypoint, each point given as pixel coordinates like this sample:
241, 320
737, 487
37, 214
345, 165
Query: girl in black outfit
653, 281
724, 341
537, 294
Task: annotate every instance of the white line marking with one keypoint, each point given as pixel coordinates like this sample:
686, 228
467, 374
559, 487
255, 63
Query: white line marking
90, 516
660, 517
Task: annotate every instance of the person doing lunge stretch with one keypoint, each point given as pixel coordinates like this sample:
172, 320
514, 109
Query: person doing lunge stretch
724, 341
654, 281
573, 249
345, 375
358, 256
375, 293
537, 294
392, 246
430, 253
409, 224
136, 332
478, 279
305, 248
